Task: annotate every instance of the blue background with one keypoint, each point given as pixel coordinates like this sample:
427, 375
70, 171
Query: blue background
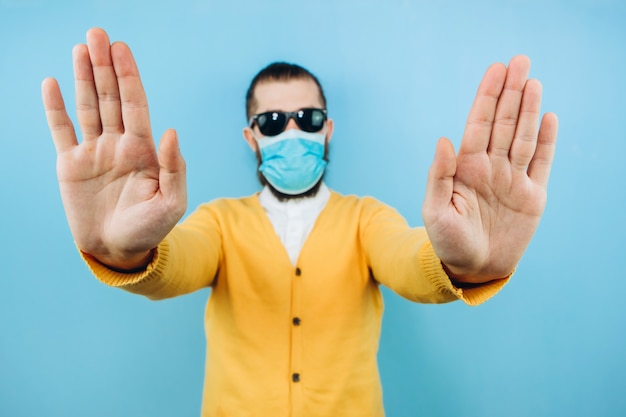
398, 74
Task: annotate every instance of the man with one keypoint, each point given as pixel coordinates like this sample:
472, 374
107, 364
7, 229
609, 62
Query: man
295, 310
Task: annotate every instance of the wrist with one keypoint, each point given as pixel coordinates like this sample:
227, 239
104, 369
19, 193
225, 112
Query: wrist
125, 263
467, 279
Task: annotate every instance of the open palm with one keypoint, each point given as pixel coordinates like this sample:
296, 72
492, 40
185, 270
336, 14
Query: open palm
483, 205
121, 199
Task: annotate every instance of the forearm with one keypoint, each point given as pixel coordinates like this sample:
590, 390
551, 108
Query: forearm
403, 259
417, 274
185, 261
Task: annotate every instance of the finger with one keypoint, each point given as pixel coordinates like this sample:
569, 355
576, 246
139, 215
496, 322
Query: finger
525, 140
172, 171
508, 107
105, 81
135, 114
87, 108
541, 163
61, 127
439, 186
480, 120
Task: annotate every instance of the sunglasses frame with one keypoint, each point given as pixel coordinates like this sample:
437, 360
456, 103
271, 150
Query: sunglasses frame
288, 115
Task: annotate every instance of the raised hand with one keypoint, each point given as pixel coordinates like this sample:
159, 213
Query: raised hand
120, 198
483, 206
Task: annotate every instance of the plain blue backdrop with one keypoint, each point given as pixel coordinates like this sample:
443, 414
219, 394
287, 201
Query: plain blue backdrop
398, 74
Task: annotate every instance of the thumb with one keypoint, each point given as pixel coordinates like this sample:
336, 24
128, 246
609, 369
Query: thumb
440, 181
172, 172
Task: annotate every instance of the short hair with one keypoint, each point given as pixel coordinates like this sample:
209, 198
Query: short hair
280, 71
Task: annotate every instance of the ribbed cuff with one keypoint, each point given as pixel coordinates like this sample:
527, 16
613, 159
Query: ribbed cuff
115, 278
431, 264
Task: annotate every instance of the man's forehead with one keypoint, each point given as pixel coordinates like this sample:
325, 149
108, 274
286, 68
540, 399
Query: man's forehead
288, 95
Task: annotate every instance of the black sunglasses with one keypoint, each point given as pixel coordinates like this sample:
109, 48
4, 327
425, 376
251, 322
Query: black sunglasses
272, 123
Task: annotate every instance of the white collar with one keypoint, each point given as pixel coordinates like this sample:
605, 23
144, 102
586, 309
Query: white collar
303, 205
293, 219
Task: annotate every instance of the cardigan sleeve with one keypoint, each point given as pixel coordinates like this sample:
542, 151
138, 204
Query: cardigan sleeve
402, 259
185, 261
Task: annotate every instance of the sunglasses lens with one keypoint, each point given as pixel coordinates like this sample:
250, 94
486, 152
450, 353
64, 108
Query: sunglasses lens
311, 120
271, 123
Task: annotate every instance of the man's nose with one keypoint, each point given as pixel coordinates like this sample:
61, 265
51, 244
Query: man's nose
291, 124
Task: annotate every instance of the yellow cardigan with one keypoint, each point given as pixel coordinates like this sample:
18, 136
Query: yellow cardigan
294, 341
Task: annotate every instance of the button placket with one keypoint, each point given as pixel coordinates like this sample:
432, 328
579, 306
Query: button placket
296, 342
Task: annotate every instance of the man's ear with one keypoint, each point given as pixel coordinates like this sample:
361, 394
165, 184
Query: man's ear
330, 125
248, 135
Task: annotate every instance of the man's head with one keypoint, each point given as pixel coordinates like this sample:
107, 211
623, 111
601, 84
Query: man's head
279, 72
285, 88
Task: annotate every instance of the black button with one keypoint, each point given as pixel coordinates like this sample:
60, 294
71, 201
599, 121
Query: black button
296, 321
298, 272
295, 377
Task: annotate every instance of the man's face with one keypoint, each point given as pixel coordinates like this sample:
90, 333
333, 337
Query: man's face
285, 96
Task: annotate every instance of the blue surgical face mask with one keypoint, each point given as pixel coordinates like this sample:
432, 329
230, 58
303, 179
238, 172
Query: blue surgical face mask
293, 161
